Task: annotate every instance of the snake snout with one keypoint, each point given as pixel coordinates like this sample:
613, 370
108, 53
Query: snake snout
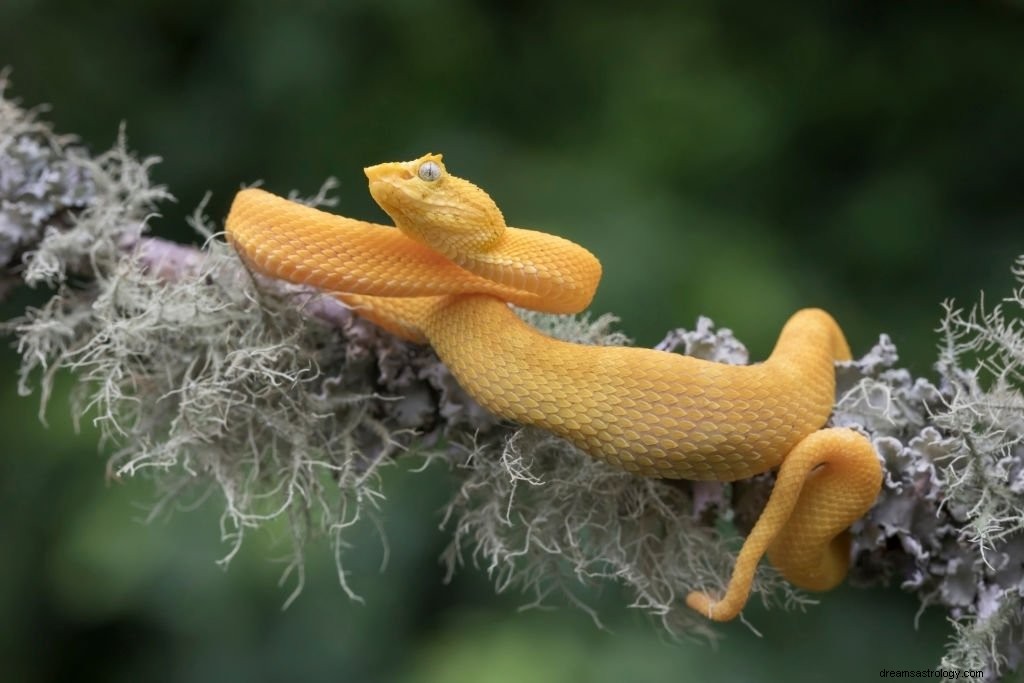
388, 171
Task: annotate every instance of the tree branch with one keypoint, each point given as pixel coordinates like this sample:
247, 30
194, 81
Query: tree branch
282, 403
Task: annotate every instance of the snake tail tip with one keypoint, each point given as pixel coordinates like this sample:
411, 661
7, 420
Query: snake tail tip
707, 606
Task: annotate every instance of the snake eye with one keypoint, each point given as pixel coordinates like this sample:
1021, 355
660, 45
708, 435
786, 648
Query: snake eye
429, 171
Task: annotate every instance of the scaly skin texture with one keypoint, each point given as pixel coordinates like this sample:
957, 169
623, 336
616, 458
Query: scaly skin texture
446, 277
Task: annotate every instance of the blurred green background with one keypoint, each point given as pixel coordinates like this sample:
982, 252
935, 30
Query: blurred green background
738, 160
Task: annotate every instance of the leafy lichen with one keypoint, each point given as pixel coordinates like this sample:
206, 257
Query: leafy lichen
44, 176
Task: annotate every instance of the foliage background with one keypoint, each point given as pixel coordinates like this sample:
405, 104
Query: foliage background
739, 161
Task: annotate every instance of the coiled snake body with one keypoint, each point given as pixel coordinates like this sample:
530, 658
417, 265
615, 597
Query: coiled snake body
446, 277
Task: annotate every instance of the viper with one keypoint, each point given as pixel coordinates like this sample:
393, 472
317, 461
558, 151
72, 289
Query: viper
447, 277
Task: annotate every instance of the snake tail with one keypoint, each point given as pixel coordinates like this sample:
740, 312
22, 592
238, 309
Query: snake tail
828, 479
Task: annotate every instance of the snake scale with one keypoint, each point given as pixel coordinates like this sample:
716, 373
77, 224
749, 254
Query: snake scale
446, 277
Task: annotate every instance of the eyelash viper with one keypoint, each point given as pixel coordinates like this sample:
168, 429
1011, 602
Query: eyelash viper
446, 277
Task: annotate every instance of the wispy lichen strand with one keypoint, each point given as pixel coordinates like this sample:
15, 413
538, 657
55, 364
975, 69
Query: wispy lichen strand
278, 402
981, 359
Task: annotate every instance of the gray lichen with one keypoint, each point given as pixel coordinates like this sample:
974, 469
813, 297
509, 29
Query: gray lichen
981, 361
281, 403
949, 523
48, 183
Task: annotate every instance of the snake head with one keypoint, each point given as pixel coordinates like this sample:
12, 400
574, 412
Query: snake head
447, 213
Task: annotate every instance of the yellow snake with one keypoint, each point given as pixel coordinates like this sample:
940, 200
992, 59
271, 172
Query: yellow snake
446, 277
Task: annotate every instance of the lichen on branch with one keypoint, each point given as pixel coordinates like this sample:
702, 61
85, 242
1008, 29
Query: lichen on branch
282, 405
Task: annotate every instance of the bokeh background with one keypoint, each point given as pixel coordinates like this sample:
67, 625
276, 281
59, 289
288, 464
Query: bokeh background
739, 160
